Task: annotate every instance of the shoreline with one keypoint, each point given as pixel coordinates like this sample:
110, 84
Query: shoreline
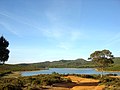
105, 70
16, 74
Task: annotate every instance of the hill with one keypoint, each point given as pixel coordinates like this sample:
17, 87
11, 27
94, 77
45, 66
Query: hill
78, 63
115, 66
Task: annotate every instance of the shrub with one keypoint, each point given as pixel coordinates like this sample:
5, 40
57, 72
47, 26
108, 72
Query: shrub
31, 81
93, 76
111, 83
10, 87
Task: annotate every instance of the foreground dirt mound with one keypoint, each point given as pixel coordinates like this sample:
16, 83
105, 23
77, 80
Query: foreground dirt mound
77, 83
85, 83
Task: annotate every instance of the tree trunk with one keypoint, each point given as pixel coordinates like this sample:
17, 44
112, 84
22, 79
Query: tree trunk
102, 72
3, 63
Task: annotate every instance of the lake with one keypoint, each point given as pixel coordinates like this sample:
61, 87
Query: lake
66, 71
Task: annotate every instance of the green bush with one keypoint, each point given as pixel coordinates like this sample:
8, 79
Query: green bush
93, 76
31, 81
2, 73
10, 87
111, 83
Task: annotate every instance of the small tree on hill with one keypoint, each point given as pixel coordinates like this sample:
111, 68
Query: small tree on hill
4, 52
102, 59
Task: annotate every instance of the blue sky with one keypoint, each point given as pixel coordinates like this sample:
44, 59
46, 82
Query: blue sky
47, 30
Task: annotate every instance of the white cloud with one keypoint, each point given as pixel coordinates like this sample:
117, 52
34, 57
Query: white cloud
64, 46
14, 17
75, 35
114, 40
52, 33
10, 29
62, 33
51, 17
65, 38
59, 29
21, 21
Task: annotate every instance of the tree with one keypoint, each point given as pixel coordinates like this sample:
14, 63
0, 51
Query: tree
102, 59
4, 52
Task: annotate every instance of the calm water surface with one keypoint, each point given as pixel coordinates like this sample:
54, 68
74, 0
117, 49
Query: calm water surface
66, 71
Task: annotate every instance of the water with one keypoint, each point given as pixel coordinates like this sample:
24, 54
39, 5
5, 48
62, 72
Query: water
66, 71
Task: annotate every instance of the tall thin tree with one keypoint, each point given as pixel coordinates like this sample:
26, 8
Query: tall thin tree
4, 52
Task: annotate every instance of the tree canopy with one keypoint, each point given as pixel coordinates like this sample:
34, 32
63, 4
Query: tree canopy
102, 58
4, 52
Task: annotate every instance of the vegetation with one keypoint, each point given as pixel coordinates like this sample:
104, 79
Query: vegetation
115, 66
78, 63
110, 83
40, 82
102, 59
4, 52
31, 82
7, 69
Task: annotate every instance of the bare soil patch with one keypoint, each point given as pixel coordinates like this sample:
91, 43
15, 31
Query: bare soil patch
13, 75
77, 83
115, 76
85, 83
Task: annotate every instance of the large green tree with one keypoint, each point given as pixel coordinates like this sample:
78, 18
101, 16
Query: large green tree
4, 52
102, 59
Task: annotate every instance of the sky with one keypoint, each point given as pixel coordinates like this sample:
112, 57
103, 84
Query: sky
50, 30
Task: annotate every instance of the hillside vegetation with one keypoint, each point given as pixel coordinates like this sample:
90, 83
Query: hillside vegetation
7, 68
115, 66
78, 63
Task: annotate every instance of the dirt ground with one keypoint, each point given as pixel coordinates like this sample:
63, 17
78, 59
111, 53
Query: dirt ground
78, 83
115, 76
12, 75
85, 83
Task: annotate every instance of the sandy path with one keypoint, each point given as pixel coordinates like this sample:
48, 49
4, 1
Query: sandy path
85, 83
13, 75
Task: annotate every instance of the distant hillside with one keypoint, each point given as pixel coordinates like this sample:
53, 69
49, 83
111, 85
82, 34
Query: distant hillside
117, 61
78, 63
115, 66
